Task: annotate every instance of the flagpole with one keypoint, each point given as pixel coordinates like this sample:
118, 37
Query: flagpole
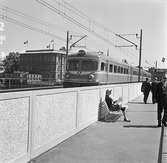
26, 43
108, 52
52, 41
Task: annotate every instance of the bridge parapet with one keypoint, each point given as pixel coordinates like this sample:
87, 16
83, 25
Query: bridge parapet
33, 122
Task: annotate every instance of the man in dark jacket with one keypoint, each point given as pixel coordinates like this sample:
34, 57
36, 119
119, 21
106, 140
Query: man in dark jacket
161, 96
154, 89
145, 88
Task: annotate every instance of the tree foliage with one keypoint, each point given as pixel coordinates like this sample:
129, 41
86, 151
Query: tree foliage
11, 62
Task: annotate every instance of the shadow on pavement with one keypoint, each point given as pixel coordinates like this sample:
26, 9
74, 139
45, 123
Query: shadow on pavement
135, 102
140, 126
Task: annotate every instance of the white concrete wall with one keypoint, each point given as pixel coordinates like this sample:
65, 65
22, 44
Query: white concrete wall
32, 122
14, 126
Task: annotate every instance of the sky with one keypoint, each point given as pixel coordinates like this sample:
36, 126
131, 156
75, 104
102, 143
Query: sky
100, 21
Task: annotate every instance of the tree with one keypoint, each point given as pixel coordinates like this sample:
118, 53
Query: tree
11, 62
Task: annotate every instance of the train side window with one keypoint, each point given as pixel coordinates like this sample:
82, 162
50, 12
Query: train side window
102, 66
111, 68
115, 68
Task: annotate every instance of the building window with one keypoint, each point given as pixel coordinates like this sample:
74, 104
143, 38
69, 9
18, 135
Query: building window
122, 70
119, 69
111, 68
115, 68
102, 66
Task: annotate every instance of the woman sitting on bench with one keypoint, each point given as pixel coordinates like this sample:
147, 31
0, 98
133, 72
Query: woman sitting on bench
114, 106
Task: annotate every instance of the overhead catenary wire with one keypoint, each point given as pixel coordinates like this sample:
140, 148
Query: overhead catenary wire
28, 17
69, 7
19, 23
75, 10
52, 8
56, 10
18, 13
73, 20
69, 18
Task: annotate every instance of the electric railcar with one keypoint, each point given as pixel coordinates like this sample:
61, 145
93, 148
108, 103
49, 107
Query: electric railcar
93, 68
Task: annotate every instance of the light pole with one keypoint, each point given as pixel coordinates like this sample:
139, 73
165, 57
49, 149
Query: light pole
133, 44
140, 50
73, 45
156, 64
67, 43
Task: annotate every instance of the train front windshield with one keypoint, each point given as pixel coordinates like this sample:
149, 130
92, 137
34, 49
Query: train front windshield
73, 65
82, 65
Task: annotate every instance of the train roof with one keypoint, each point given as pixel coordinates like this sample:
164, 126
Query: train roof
96, 55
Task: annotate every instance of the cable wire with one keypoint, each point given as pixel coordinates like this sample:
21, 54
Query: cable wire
28, 17
54, 9
14, 21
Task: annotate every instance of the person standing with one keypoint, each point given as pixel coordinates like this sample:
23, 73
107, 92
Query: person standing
145, 88
154, 89
161, 96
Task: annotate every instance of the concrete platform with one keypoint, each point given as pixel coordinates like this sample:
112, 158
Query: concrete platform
120, 142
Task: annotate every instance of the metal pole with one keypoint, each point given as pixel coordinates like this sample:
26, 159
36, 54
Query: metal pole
53, 46
140, 55
67, 42
156, 64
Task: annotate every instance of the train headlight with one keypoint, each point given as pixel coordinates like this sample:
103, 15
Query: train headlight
91, 76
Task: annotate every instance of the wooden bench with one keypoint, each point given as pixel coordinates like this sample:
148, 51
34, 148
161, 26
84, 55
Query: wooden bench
106, 115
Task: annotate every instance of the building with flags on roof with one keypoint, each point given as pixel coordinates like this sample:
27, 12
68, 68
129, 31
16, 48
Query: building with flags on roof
49, 63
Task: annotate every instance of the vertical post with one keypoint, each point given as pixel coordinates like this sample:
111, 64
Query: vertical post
156, 64
140, 55
67, 42
53, 46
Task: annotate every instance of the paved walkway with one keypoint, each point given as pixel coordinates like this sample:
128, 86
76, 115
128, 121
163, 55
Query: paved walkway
136, 142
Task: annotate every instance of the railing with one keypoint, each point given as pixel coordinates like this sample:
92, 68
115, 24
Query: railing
13, 83
33, 122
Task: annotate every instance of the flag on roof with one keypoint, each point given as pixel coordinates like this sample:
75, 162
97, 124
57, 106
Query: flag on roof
48, 46
26, 42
